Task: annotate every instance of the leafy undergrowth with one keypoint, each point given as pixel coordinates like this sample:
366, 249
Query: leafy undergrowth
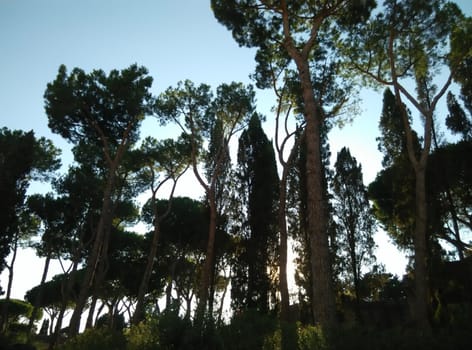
252, 331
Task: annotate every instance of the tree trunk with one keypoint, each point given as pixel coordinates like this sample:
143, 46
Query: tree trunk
222, 301
420, 307
457, 234
421, 277
93, 305
211, 294
143, 287
96, 254
169, 285
322, 289
68, 286
283, 284
37, 300
99, 312
208, 264
4, 320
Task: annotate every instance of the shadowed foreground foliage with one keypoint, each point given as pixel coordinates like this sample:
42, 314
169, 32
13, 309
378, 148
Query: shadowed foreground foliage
253, 330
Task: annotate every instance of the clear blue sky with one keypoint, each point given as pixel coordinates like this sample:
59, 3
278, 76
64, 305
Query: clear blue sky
174, 39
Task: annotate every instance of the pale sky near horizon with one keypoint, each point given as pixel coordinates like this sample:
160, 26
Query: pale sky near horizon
175, 40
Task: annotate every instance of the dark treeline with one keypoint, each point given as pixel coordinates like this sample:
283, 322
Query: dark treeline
211, 273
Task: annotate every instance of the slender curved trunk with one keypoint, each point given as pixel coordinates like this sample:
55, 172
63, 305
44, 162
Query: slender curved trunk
10, 271
143, 287
4, 318
208, 265
211, 294
455, 224
66, 291
91, 312
37, 300
222, 301
96, 254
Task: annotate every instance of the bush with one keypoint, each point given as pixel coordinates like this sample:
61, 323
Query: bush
311, 338
96, 339
399, 339
144, 336
249, 330
167, 331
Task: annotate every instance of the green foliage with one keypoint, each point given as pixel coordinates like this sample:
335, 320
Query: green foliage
256, 238
248, 330
144, 336
78, 104
96, 339
17, 308
311, 337
398, 339
354, 219
457, 121
22, 159
167, 331
461, 53
53, 293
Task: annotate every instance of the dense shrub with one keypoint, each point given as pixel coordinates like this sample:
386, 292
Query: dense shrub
311, 338
248, 330
96, 339
144, 336
167, 331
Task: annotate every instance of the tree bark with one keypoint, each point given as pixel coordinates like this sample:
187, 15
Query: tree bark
322, 289
208, 265
220, 309
420, 307
4, 318
420, 266
283, 284
93, 305
37, 300
169, 285
68, 286
143, 287
96, 254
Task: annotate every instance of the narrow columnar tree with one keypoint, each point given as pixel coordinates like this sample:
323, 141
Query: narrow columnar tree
258, 191
290, 31
355, 221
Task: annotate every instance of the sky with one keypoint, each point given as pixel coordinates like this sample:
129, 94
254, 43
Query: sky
175, 40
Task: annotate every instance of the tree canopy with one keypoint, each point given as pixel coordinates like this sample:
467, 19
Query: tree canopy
146, 267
